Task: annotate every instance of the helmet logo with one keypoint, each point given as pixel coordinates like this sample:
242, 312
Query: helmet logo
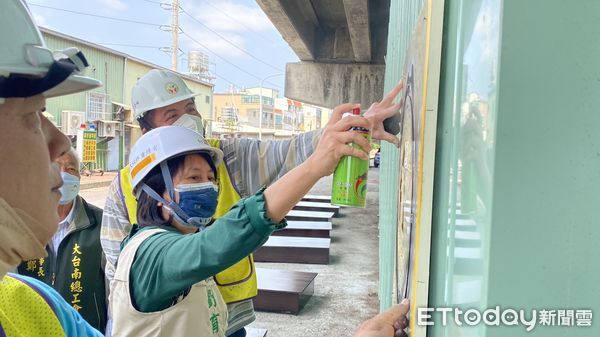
172, 88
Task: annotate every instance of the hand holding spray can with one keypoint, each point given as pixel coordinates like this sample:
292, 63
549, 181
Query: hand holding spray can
350, 176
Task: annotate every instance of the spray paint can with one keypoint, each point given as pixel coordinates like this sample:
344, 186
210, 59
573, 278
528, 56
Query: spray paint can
350, 176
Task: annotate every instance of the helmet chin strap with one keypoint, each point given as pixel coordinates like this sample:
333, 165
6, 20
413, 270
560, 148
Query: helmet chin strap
174, 209
169, 205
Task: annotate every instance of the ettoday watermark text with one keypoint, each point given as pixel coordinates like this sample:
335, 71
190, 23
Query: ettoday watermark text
498, 316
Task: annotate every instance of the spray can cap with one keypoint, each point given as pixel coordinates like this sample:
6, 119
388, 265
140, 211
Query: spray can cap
356, 111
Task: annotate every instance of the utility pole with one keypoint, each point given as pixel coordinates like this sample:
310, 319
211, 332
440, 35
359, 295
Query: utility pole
175, 35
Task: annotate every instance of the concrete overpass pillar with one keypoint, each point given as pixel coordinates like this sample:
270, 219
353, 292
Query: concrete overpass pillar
330, 84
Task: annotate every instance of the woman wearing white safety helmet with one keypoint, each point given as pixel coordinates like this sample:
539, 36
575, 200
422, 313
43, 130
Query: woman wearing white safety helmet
163, 281
29, 177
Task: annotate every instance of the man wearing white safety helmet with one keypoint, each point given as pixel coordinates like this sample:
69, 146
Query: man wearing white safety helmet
161, 98
29, 177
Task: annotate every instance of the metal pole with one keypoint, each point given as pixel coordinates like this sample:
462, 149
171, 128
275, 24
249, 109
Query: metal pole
124, 159
211, 113
175, 35
260, 111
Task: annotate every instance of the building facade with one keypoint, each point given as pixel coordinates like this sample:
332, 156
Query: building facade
108, 109
237, 114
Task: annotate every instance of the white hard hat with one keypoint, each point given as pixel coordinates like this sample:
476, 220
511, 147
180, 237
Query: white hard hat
28, 67
163, 143
156, 89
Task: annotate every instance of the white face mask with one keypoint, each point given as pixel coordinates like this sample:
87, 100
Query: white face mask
192, 122
69, 189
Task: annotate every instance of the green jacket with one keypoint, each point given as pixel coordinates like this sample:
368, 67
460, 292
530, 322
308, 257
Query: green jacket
167, 264
77, 271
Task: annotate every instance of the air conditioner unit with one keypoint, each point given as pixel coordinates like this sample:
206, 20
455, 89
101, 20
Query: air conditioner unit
71, 122
119, 116
106, 129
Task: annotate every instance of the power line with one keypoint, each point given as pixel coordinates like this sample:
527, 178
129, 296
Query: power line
226, 80
235, 20
164, 4
157, 47
95, 15
231, 43
167, 5
155, 25
128, 45
222, 58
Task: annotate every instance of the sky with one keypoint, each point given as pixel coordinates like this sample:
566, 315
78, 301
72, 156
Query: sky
242, 44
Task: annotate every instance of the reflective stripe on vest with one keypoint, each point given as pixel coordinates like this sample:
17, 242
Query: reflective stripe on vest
236, 283
25, 312
127, 194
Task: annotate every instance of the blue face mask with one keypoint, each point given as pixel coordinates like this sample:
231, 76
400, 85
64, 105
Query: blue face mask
69, 189
198, 202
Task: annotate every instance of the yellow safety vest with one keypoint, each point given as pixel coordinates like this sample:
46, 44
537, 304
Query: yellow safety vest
236, 283
24, 312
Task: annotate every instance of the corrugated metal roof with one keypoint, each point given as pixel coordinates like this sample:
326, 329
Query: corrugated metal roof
118, 53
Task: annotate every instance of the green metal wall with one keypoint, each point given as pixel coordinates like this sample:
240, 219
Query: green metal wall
403, 15
517, 168
547, 180
134, 70
104, 66
518, 164
118, 74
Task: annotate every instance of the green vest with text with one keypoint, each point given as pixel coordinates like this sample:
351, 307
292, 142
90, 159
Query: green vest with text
76, 269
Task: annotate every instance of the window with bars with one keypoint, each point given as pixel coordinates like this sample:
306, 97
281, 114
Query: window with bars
96, 106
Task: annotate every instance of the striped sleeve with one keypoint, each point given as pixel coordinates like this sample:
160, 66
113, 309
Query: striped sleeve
115, 227
253, 164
